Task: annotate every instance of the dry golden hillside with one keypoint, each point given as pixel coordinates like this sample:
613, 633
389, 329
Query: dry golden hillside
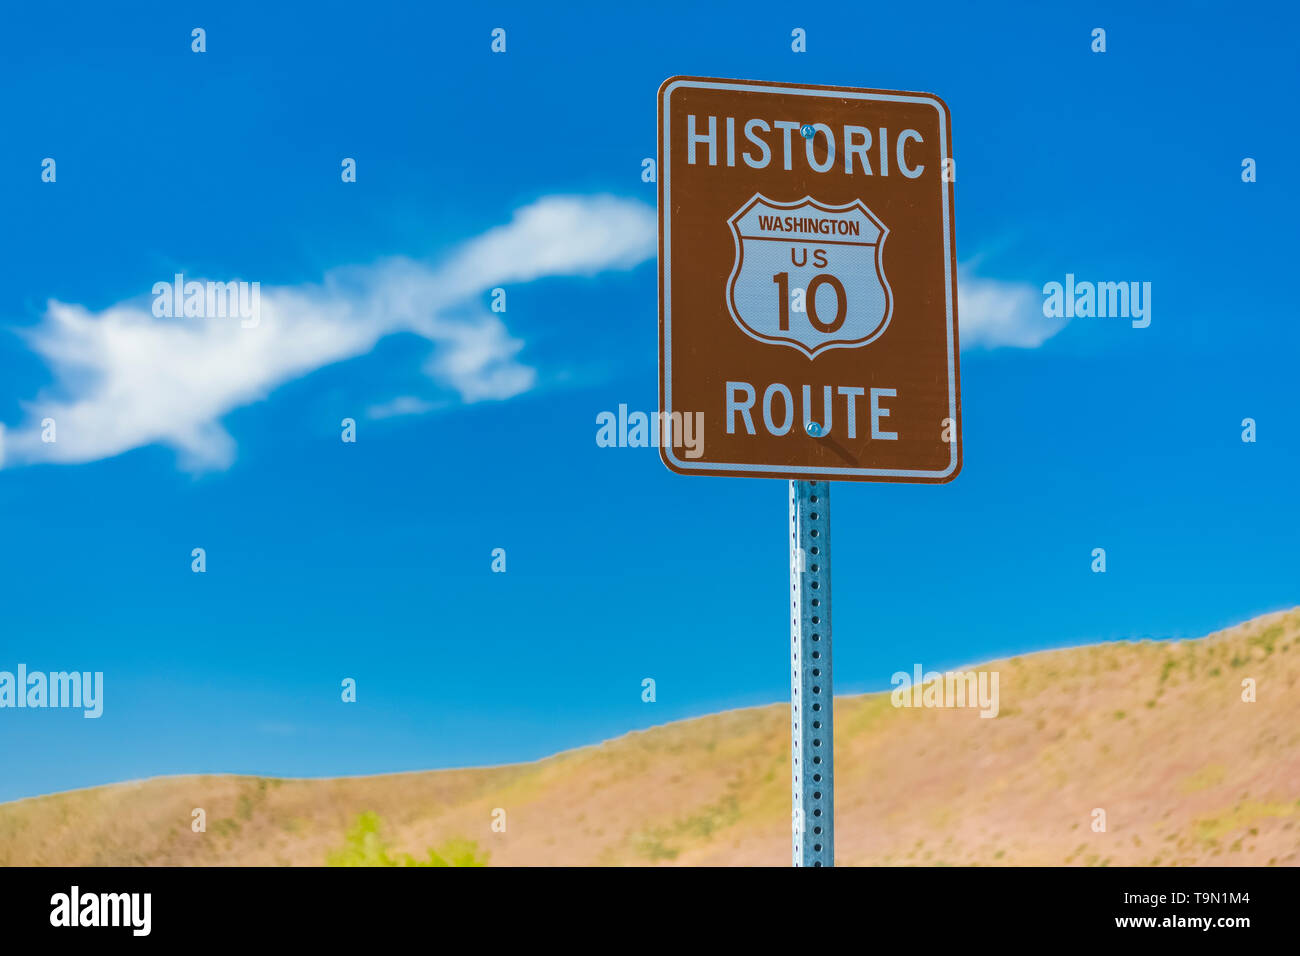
1155, 734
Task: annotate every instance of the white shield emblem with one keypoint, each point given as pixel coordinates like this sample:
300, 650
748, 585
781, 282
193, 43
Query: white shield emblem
808, 275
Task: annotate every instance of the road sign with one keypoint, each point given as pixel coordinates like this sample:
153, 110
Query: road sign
807, 281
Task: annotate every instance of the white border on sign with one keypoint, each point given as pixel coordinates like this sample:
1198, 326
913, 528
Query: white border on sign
665, 171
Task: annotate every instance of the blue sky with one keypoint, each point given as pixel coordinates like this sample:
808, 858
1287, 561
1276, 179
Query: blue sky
475, 170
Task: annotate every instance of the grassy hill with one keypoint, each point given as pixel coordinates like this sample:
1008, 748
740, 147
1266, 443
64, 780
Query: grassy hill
1155, 734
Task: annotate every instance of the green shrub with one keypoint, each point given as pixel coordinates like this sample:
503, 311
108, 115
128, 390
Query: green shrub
365, 846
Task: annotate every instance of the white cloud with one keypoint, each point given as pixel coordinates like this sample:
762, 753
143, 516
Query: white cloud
599, 233
124, 378
992, 313
402, 405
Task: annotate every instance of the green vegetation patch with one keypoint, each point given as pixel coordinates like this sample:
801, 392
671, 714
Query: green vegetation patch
365, 846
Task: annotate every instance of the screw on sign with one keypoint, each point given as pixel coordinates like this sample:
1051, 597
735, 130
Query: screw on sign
808, 310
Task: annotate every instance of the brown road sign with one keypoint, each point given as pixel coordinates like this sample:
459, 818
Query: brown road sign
807, 282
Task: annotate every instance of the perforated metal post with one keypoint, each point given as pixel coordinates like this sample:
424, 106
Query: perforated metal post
812, 774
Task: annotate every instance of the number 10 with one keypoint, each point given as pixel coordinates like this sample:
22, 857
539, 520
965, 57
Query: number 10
782, 280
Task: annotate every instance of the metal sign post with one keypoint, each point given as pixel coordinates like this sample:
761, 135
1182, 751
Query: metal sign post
808, 277
812, 773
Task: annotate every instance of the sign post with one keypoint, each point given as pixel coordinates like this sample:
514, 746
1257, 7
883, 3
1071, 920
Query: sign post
812, 751
808, 326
